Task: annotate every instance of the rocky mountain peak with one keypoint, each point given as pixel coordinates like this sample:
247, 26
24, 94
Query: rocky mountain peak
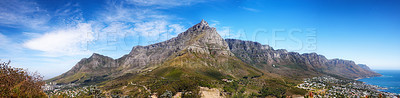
202, 26
96, 55
205, 39
203, 22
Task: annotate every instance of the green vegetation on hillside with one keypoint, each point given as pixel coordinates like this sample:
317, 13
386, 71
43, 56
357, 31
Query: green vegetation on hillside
187, 72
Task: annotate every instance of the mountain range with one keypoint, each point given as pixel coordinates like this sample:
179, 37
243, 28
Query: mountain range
202, 57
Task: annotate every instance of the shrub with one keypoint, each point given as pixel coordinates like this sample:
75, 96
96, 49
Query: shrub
17, 82
231, 87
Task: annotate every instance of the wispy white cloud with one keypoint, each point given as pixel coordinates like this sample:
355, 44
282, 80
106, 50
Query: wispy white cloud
8, 45
225, 31
120, 11
3, 40
122, 17
119, 19
176, 28
117, 12
31, 34
66, 41
132, 19
17, 13
66, 37
158, 30
60, 37
67, 9
214, 23
250, 9
119, 28
69, 14
150, 29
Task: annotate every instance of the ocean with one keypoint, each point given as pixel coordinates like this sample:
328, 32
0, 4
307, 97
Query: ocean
390, 80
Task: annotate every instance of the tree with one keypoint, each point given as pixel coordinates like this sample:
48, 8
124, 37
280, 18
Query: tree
17, 82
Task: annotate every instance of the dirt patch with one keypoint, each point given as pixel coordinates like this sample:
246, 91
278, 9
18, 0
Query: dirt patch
210, 93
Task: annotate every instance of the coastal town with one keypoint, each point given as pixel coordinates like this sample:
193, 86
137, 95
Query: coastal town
318, 87
70, 90
326, 86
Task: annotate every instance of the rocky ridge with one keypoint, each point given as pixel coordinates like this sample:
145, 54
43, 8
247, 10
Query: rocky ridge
204, 40
291, 63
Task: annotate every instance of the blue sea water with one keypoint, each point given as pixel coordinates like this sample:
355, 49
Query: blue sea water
390, 80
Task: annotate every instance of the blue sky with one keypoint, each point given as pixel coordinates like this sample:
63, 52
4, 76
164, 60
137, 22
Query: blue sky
51, 36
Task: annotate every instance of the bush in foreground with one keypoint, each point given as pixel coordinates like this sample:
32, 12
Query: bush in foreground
17, 82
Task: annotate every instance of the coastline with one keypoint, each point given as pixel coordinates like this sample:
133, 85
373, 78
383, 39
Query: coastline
378, 87
336, 87
357, 79
383, 81
380, 75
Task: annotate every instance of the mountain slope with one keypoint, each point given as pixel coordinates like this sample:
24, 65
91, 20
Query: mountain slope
364, 66
204, 60
199, 39
96, 67
205, 50
293, 64
200, 57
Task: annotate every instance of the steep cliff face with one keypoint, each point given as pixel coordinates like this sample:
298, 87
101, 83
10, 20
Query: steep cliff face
294, 64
